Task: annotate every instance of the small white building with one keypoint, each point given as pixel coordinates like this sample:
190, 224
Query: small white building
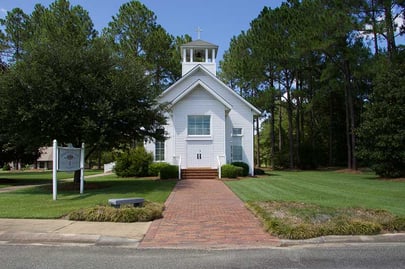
45, 159
209, 124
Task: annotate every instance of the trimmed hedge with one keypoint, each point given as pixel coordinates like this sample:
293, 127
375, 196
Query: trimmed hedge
231, 171
154, 168
245, 167
150, 211
169, 172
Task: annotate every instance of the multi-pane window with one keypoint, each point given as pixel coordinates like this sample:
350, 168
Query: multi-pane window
160, 151
199, 125
236, 131
236, 149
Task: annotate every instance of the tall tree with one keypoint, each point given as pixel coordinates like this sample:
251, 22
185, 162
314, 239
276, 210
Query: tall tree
16, 32
68, 86
135, 33
382, 131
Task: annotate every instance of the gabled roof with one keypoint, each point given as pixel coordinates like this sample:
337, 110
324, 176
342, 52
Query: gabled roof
205, 86
199, 43
208, 89
46, 154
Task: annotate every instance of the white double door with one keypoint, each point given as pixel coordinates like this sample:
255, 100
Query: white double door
200, 154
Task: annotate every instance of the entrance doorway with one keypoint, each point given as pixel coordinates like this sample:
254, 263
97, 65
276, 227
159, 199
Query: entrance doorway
199, 154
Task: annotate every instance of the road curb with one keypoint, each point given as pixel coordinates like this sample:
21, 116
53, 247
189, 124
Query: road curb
28, 238
334, 239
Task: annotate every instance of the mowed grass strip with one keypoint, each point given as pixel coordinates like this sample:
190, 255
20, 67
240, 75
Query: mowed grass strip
37, 202
324, 188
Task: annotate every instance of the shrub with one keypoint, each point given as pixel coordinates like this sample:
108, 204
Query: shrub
231, 171
150, 211
154, 168
134, 162
169, 172
244, 166
259, 171
6, 167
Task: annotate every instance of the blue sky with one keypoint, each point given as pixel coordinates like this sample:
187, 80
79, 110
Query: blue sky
219, 20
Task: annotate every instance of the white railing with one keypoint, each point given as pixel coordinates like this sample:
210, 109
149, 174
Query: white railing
219, 165
180, 168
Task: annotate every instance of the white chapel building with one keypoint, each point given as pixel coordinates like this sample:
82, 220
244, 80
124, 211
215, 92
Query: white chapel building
209, 124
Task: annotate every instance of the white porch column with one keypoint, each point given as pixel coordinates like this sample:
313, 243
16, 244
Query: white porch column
184, 55
191, 55
213, 55
206, 55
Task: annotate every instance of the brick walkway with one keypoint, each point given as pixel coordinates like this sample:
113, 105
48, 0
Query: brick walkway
206, 214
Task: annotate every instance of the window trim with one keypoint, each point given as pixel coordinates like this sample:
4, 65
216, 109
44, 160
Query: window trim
239, 134
239, 139
199, 135
163, 149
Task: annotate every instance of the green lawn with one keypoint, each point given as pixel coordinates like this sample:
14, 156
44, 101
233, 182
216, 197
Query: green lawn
35, 177
37, 202
325, 188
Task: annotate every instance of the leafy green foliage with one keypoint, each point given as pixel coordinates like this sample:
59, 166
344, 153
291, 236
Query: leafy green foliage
134, 162
382, 131
66, 71
244, 166
231, 171
155, 167
169, 172
134, 33
310, 72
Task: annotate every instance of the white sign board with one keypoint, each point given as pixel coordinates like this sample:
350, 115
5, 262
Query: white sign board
69, 159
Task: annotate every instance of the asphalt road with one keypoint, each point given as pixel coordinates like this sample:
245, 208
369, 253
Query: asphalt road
387, 255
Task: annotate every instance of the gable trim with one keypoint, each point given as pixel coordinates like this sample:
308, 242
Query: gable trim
208, 89
253, 108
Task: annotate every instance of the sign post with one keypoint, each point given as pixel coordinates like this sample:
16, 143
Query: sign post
54, 169
67, 159
82, 169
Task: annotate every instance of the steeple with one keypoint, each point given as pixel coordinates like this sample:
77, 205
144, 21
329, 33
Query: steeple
199, 52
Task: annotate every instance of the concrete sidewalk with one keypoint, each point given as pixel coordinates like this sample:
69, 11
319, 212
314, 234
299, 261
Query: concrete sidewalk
60, 232
129, 235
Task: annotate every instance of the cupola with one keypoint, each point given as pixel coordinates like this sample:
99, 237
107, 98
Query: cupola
199, 52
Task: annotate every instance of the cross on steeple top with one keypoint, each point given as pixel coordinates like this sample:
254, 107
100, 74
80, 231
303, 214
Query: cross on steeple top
199, 30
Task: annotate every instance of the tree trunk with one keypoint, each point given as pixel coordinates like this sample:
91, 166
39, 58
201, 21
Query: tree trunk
290, 129
298, 134
350, 125
389, 25
280, 126
272, 134
330, 159
374, 21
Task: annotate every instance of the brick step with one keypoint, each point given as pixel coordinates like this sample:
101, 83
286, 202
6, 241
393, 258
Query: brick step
199, 173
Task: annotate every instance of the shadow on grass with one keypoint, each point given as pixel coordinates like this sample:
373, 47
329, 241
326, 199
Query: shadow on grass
114, 187
22, 182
